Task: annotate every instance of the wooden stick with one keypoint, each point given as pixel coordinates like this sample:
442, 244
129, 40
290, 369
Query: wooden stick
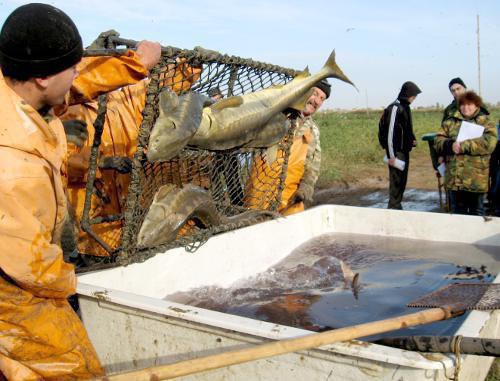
202, 364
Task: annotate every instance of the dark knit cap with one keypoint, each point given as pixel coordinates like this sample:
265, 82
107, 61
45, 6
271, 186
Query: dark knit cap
324, 86
456, 80
214, 91
409, 89
38, 40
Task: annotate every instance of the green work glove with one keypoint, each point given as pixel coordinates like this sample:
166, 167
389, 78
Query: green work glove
297, 197
122, 164
101, 42
76, 131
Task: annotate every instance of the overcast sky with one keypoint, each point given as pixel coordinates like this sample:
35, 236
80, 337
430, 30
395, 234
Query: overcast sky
379, 44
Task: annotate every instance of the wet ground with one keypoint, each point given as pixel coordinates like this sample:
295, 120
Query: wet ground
414, 199
313, 287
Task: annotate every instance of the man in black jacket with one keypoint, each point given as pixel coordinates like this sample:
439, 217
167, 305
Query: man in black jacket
397, 138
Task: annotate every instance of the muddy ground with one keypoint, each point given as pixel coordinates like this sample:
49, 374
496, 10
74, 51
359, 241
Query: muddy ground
369, 187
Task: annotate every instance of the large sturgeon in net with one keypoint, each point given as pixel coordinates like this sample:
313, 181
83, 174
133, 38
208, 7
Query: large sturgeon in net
251, 120
237, 120
173, 207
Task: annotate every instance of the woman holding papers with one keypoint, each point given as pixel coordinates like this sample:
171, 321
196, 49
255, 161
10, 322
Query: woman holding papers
467, 138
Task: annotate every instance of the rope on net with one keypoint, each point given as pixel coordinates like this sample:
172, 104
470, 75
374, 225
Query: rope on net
223, 174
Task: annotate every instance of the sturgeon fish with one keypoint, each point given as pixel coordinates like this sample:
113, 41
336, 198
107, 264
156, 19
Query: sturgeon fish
172, 207
271, 133
177, 122
237, 120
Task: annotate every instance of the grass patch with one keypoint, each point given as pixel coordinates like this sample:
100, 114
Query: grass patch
349, 140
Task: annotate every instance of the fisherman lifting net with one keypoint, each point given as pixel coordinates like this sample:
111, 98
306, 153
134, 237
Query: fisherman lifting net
198, 160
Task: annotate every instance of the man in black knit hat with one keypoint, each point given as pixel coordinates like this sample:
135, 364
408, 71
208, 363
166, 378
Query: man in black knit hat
41, 337
304, 172
397, 138
456, 87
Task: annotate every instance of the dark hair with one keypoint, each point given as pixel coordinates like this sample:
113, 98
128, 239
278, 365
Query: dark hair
470, 97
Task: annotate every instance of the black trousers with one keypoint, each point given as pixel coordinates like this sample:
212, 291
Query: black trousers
463, 202
397, 181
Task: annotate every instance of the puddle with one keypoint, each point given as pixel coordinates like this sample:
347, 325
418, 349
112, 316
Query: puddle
413, 199
308, 289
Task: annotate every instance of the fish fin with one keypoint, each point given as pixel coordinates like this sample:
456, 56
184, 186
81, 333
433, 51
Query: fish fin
277, 86
303, 74
335, 71
300, 103
163, 191
168, 100
347, 273
226, 103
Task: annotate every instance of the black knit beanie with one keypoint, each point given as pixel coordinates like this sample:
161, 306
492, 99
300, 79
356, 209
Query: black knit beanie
456, 80
214, 91
409, 89
324, 86
38, 40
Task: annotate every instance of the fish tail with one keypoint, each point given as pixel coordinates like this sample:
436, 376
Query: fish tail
335, 71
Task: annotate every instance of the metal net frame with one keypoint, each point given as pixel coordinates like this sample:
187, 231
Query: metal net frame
236, 179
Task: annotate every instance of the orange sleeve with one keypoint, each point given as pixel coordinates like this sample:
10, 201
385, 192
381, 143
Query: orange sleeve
128, 104
98, 75
27, 216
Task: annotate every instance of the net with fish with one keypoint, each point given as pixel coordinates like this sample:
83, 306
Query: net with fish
236, 179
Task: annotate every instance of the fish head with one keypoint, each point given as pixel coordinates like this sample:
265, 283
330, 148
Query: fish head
178, 120
164, 140
151, 227
156, 219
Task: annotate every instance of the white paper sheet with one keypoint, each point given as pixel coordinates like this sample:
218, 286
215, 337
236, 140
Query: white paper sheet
469, 130
399, 164
441, 169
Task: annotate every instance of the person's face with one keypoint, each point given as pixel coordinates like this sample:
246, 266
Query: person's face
412, 99
468, 110
216, 97
57, 86
456, 89
314, 102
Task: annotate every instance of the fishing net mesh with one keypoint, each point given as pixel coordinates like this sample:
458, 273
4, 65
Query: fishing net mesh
236, 179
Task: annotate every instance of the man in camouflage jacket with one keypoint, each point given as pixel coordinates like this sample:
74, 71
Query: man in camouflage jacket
467, 162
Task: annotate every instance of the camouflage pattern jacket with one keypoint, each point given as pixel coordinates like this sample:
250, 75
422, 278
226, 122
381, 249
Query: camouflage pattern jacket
467, 171
313, 158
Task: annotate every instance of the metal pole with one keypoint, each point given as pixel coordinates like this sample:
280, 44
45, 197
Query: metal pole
478, 57
366, 98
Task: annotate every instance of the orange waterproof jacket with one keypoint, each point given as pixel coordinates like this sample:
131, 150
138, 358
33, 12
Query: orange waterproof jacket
119, 138
264, 179
40, 335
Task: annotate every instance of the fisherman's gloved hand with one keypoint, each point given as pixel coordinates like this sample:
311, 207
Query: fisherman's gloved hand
76, 131
101, 42
121, 164
297, 197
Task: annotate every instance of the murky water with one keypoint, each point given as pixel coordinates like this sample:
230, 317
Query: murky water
312, 288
